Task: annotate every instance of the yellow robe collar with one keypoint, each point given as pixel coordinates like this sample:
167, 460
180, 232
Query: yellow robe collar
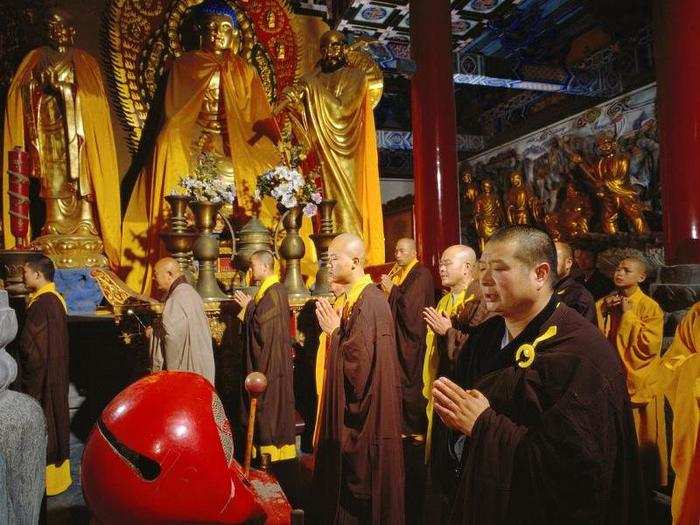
353, 293
47, 288
265, 285
400, 276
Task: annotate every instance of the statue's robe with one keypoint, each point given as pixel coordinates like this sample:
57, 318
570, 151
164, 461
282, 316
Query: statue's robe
182, 340
43, 364
249, 128
557, 444
574, 295
465, 309
598, 284
359, 468
678, 377
98, 163
339, 108
637, 335
269, 350
413, 291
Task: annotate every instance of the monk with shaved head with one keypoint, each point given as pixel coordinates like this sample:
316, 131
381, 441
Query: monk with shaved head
182, 339
539, 419
571, 292
359, 472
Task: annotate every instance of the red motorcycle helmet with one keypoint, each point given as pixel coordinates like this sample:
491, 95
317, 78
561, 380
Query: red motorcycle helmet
162, 452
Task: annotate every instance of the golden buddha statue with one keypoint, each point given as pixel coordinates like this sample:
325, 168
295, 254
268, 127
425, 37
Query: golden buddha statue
576, 212
471, 190
214, 102
610, 178
488, 212
518, 200
57, 110
336, 102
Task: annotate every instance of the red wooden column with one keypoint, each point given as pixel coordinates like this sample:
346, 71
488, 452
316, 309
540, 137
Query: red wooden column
434, 123
677, 25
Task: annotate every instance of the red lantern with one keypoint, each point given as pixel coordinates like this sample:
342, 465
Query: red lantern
19, 170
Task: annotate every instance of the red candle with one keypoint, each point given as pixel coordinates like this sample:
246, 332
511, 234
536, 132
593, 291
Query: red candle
19, 170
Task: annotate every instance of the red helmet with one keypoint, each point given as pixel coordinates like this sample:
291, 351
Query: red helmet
162, 452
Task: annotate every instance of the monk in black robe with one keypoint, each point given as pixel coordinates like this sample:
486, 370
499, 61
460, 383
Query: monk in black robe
269, 350
590, 276
569, 291
542, 430
43, 363
359, 474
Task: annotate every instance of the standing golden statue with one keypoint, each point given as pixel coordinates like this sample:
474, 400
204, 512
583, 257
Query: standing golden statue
488, 212
334, 105
214, 102
57, 110
471, 189
518, 201
610, 177
572, 219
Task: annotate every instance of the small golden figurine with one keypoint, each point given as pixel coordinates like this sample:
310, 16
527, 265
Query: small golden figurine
471, 190
488, 212
576, 212
518, 201
610, 177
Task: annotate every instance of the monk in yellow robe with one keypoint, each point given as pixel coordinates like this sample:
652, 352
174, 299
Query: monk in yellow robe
57, 111
214, 101
338, 110
633, 323
678, 377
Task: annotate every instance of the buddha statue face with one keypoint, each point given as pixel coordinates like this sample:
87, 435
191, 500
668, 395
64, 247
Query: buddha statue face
487, 187
516, 179
332, 50
606, 144
218, 33
60, 29
467, 176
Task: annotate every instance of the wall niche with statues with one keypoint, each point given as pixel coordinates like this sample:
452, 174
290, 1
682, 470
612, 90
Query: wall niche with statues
590, 179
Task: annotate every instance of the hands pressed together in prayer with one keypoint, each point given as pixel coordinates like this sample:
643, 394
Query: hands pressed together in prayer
438, 322
241, 299
327, 317
458, 408
386, 283
611, 302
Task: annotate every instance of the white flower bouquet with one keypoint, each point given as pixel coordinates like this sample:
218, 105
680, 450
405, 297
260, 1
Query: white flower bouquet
205, 183
289, 188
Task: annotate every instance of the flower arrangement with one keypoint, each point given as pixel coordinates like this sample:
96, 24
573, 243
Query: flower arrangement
289, 188
205, 183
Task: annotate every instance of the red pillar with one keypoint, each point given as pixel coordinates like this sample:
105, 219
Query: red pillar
677, 25
434, 123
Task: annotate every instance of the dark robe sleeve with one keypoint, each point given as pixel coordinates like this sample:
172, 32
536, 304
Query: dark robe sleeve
407, 302
455, 339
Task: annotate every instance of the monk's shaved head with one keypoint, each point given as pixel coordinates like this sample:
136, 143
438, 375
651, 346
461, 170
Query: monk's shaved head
346, 259
405, 251
351, 245
166, 271
265, 257
531, 247
262, 265
457, 266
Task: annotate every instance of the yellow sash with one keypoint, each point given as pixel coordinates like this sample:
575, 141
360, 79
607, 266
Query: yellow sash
265, 285
401, 273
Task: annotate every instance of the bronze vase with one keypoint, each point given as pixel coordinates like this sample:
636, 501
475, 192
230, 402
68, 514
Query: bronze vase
292, 250
322, 240
179, 237
206, 249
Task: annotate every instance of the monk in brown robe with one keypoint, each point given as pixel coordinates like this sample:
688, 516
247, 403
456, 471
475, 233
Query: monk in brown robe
569, 291
43, 363
410, 289
359, 472
182, 339
269, 350
542, 429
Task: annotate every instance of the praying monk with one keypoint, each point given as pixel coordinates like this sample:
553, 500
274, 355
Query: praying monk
541, 423
182, 339
43, 364
214, 102
269, 350
410, 288
461, 308
359, 471
634, 324
571, 292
